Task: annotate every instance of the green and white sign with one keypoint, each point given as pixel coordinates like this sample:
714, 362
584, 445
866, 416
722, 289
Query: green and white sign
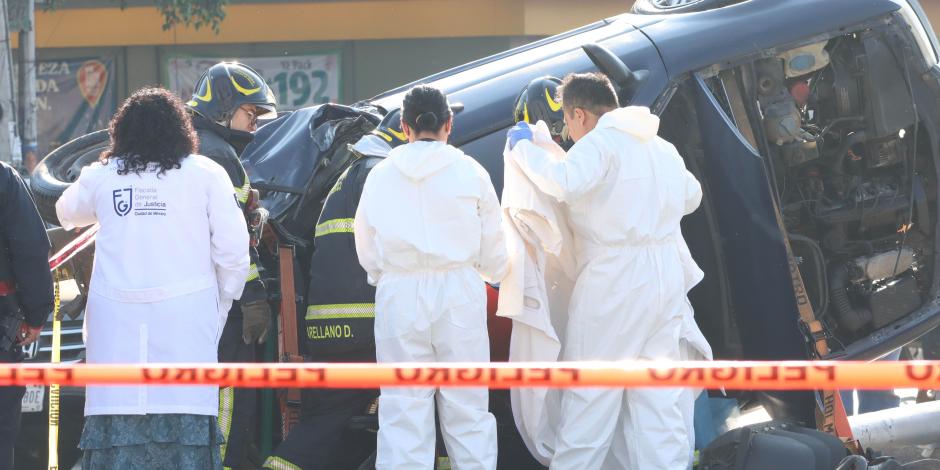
298, 81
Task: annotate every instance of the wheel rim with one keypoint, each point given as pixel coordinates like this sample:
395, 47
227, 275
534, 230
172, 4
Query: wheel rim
74, 167
67, 161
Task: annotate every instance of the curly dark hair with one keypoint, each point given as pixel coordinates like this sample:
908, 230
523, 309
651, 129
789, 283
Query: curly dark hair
152, 126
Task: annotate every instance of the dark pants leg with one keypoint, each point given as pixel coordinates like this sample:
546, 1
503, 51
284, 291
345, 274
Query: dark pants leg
10, 409
323, 439
237, 407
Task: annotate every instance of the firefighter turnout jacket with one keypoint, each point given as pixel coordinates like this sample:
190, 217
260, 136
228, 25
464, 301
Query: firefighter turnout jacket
237, 406
223, 146
341, 303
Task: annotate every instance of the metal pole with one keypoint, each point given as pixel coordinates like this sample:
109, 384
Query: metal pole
905, 425
28, 126
9, 144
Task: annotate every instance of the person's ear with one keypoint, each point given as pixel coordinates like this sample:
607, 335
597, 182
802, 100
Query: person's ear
580, 116
449, 125
407, 130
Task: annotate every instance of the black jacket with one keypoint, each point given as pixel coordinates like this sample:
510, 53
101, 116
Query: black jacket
25, 248
223, 146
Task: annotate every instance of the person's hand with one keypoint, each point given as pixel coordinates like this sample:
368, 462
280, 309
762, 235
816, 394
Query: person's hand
28, 334
256, 318
521, 131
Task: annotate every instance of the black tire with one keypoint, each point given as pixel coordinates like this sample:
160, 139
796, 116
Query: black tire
61, 168
660, 7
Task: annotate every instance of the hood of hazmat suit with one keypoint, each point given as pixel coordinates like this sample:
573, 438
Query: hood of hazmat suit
429, 208
626, 191
427, 229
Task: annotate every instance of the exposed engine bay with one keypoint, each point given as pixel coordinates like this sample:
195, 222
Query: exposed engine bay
855, 188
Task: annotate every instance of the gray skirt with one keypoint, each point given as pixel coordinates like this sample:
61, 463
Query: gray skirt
156, 441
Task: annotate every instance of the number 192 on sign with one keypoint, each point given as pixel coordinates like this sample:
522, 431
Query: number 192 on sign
301, 88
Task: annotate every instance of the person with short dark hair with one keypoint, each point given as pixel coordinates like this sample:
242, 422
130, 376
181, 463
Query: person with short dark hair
589, 92
626, 191
25, 293
171, 255
426, 230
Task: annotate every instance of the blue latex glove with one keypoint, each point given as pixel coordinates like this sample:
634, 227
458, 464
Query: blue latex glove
521, 131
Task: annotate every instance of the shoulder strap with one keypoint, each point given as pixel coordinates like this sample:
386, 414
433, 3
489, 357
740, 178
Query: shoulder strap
831, 416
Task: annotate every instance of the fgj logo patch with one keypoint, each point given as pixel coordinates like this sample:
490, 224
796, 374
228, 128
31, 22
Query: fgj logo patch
123, 201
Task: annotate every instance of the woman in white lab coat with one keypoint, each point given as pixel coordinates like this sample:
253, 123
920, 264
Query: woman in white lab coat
427, 228
171, 255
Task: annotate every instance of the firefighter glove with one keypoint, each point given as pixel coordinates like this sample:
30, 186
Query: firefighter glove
256, 318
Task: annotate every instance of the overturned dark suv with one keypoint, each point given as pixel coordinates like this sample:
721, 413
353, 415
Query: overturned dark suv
814, 121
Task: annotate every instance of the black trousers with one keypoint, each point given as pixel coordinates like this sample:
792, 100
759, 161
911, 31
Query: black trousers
237, 407
324, 439
10, 410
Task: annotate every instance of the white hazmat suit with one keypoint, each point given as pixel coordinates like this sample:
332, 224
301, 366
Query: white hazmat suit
427, 228
627, 191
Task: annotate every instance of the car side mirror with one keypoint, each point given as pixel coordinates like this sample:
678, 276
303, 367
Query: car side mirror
625, 80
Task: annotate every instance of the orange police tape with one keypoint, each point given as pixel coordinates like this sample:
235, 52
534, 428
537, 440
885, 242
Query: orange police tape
733, 375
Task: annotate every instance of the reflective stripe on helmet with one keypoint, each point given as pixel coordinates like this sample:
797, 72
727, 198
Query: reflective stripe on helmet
400, 135
207, 96
334, 311
243, 90
334, 226
383, 135
551, 102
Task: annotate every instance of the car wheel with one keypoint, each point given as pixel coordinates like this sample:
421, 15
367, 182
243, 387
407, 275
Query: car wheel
659, 7
61, 168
